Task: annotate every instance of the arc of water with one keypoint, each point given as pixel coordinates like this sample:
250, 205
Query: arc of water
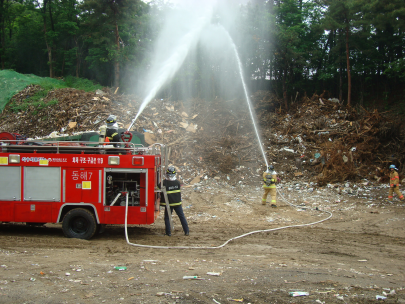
246, 92
174, 61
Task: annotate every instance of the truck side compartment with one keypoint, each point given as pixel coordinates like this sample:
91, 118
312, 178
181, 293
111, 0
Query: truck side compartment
81, 185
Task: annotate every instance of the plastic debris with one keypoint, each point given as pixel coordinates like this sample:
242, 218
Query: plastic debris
192, 278
120, 268
378, 297
298, 293
214, 273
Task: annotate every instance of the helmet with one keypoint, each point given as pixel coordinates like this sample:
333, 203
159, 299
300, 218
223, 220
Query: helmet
111, 119
393, 167
271, 167
171, 172
112, 122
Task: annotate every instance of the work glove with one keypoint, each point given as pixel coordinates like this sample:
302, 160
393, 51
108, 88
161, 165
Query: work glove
392, 185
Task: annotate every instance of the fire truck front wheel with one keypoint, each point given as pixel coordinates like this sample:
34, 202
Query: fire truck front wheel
79, 223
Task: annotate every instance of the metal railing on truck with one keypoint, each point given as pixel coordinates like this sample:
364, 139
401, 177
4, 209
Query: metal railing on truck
74, 147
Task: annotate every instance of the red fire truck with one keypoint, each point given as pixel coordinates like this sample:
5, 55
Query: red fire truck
83, 185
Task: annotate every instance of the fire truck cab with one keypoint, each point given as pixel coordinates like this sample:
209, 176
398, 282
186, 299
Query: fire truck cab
82, 185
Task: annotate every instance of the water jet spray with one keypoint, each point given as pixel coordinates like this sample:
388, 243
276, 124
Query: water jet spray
168, 65
249, 103
164, 71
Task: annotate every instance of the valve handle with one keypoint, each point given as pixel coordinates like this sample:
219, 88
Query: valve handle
126, 136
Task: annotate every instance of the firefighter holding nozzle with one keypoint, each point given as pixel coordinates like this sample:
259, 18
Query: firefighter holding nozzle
172, 185
394, 184
109, 132
269, 186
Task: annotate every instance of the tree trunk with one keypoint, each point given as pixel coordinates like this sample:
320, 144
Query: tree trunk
2, 33
117, 63
48, 47
349, 77
340, 84
77, 58
285, 89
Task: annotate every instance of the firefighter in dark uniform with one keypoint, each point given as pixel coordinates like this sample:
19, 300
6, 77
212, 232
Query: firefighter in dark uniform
269, 186
174, 196
394, 184
111, 134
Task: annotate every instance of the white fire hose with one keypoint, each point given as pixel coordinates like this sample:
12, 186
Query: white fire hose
234, 238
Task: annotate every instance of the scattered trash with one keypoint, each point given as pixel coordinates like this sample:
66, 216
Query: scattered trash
120, 268
377, 297
214, 273
192, 278
298, 293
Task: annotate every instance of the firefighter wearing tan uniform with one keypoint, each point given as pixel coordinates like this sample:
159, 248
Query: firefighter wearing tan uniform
269, 186
394, 184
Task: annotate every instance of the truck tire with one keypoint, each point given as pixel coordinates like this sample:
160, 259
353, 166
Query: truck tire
79, 223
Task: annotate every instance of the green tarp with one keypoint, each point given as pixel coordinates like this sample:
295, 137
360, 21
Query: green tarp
12, 82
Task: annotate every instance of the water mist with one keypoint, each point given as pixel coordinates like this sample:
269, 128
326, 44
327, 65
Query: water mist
184, 36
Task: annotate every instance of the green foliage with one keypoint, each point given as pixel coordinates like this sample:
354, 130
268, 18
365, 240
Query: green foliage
34, 103
298, 46
396, 69
82, 84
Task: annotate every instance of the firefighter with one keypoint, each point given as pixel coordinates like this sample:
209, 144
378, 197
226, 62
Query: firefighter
394, 184
269, 186
111, 134
174, 196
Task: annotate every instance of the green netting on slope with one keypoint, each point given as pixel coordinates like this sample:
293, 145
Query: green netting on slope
12, 82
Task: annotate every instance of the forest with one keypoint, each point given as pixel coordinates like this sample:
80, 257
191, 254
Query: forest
352, 50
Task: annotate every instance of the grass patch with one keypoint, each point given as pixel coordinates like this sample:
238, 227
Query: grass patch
82, 84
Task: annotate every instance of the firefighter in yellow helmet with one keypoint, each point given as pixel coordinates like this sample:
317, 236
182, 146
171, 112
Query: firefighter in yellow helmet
394, 184
269, 186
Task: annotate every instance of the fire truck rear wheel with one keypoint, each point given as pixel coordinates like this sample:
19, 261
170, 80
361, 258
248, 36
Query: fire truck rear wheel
79, 223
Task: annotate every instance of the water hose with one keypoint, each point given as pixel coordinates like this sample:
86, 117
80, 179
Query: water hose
224, 244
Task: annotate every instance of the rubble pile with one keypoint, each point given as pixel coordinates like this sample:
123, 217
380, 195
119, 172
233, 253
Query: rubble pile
82, 110
339, 143
318, 141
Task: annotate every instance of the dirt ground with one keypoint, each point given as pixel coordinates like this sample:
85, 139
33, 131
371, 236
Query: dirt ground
337, 248
336, 243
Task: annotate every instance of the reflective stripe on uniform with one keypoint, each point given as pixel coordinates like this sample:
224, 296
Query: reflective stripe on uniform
171, 205
174, 191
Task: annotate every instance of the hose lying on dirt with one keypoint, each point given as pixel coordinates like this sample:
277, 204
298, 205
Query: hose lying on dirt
234, 238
